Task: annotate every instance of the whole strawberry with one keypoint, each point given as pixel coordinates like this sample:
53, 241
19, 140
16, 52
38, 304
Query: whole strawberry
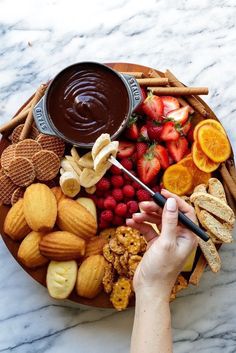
154, 130
153, 107
148, 167
132, 132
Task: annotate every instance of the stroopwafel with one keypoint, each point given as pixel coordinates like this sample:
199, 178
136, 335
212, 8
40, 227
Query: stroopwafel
52, 143
27, 148
46, 164
15, 136
21, 171
7, 187
17, 194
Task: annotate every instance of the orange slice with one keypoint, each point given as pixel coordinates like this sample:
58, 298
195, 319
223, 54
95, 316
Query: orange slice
199, 177
201, 160
211, 122
177, 179
213, 143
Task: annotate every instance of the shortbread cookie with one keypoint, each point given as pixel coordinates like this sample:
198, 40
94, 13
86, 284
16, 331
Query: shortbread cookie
215, 188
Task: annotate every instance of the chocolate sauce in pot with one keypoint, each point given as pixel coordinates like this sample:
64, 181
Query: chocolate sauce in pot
86, 101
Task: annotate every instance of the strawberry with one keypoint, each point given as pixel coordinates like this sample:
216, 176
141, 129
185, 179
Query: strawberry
169, 132
141, 148
144, 96
153, 107
127, 163
132, 132
161, 153
180, 115
154, 129
143, 135
177, 149
170, 103
148, 167
126, 149
190, 135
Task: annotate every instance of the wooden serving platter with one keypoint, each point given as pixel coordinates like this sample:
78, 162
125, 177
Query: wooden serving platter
102, 300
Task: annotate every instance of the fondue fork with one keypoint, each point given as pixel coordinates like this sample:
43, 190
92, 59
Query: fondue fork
161, 200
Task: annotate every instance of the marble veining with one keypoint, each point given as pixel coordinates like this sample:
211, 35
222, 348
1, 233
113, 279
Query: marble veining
197, 41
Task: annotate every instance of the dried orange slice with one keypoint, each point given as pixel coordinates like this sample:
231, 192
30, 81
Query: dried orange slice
201, 160
177, 179
213, 143
211, 122
199, 177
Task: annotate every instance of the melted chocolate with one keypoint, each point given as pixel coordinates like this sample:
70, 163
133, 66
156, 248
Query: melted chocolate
87, 100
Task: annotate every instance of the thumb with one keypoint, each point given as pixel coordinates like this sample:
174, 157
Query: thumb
170, 219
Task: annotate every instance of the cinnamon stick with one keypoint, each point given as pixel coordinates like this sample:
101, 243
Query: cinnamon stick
155, 81
29, 120
198, 106
178, 91
198, 271
229, 197
153, 73
136, 74
231, 169
18, 119
228, 180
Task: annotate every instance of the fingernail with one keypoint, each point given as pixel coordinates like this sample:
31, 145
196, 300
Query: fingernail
171, 204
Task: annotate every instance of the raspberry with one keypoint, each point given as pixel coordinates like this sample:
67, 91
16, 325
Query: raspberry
107, 216
128, 191
103, 225
115, 170
143, 195
103, 185
109, 203
117, 181
156, 188
127, 163
100, 203
136, 185
126, 177
117, 194
121, 210
132, 207
118, 221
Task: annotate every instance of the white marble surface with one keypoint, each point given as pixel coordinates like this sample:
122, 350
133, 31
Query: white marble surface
197, 40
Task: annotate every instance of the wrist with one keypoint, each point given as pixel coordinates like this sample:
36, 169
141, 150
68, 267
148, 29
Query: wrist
152, 295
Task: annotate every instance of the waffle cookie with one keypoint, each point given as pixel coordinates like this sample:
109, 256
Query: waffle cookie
6, 190
52, 143
7, 156
46, 164
15, 136
21, 171
27, 148
17, 194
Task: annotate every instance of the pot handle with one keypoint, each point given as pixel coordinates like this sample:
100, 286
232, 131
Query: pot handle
134, 89
41, 119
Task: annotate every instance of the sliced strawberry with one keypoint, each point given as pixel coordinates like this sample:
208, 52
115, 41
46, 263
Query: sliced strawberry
169, 132
126, 149
177, 149
144, 96
170, 103
161, 153
180, 115
154, 129
143, 134
148, 167
141, 149
153, 107
132, 132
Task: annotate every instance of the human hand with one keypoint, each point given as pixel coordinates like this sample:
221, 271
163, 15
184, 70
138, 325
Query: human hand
167, 252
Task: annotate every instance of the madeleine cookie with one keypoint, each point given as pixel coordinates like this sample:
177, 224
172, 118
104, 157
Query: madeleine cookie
61, 278
28, 252
15, 225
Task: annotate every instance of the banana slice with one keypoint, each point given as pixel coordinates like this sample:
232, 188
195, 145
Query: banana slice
62, 171
100, 143
70, 183
86, 161
101, 163
75, 154
89, 177
61, 278
65, 164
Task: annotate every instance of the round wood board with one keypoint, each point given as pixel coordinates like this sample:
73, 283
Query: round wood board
102, 300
